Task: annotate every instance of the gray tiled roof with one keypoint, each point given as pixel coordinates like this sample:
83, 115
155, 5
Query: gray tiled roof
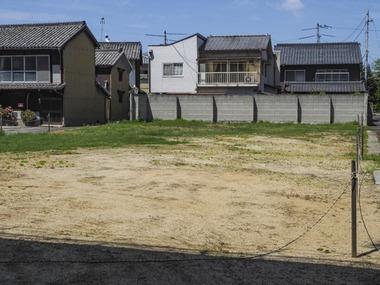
131, 49
107, 57
223, 43
323, 53
328, 87
31, 86
40, 36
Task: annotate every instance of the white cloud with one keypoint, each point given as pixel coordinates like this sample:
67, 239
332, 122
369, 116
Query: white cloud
293, 6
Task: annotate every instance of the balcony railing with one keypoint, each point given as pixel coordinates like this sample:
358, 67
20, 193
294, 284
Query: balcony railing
228, 78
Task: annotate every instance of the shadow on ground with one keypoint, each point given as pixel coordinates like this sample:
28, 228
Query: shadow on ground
31, 262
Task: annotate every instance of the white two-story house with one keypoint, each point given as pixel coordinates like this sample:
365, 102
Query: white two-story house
213, 65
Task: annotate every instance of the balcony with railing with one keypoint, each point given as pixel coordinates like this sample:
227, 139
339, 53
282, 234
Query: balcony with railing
228, 78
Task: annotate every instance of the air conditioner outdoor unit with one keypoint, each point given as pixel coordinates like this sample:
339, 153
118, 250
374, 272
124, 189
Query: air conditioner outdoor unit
249, 79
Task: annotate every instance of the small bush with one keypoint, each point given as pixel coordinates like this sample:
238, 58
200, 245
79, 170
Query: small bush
28, 116
6, 113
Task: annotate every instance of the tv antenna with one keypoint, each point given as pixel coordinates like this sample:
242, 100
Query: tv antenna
318, 29
165, 36
102, 23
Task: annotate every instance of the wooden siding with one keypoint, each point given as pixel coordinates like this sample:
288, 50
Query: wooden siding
83, 103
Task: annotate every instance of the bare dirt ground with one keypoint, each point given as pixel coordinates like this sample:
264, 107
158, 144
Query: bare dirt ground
213, 197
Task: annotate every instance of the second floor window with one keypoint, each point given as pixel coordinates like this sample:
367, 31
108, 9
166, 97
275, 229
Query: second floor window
328, 75
173, 69
24, 68
295, 75
121, 73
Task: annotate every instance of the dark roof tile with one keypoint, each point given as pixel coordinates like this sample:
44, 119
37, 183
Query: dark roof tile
31, 86
317, 54
249, 42
328, 87
131, 49
107, 57
40, 36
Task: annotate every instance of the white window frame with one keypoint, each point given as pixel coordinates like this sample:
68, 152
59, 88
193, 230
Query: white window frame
295, 70
172, 75
332, 72
26, 71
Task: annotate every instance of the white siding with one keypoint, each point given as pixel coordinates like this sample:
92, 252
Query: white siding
185, 52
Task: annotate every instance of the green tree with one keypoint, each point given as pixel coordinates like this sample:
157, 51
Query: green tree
374, 84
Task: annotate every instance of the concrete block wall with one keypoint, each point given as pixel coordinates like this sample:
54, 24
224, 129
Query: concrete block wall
315, 109
307, 109
276, 108
234, 108
163, 107
196, 108
346, 107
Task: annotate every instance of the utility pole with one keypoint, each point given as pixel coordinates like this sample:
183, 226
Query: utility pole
367, 22
165, 36
318, 29
102, 23
318, 33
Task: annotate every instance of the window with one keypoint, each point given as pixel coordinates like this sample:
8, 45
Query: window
121, 72
121, 96
328, 75
238, 67
25, 68
5, 69
295, 75
173, 69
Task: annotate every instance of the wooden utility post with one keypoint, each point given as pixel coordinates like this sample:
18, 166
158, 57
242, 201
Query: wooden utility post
354, 188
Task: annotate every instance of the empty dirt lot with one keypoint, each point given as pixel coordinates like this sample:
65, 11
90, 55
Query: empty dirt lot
221, 197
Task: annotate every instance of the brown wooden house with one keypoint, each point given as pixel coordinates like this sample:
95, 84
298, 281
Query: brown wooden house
50, 68
112, 73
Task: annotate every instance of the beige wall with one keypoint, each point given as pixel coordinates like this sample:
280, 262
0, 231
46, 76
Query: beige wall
83, 103
119, 111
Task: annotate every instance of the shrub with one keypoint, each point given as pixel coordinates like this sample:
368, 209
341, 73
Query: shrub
28, 116
7, 114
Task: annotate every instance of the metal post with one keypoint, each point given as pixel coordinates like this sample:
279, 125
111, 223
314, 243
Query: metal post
1, 123
131, 106
362, 134
354, 185
49, 123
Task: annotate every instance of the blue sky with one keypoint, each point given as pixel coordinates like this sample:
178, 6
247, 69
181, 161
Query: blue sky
131, 19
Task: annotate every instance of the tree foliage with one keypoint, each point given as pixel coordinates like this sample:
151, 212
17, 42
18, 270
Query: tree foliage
374, 84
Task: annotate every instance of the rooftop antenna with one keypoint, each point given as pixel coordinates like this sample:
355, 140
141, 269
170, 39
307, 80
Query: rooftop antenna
102, 23
165, 36
318, 32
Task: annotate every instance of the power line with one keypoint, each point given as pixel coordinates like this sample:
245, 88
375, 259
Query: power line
360, 33
318, 29
355, 30
165, 36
